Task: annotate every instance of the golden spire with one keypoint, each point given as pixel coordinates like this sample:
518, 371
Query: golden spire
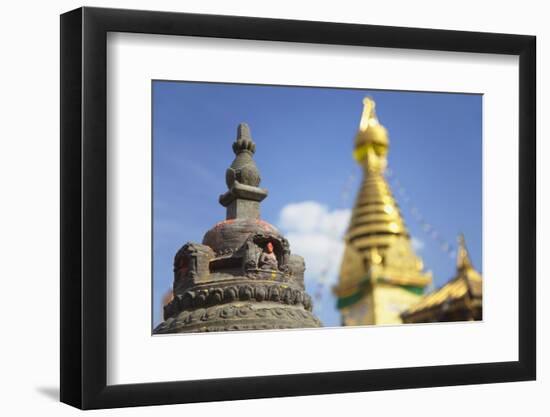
464, 266
462, 256
378, 258
376, 219
371, 141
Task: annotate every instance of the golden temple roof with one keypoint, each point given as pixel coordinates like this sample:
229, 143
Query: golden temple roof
467, 283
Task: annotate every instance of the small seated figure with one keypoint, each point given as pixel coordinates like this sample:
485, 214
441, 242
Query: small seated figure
268, 260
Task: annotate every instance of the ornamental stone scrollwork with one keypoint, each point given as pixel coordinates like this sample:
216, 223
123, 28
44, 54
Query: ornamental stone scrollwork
250, 316
208, 296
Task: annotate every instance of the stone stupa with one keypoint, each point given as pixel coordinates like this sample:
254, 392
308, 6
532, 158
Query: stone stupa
243, 275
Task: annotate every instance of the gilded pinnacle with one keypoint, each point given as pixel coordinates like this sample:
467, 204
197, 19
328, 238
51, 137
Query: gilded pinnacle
463, 257
371, 140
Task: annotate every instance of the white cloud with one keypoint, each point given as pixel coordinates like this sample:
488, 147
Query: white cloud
417, 244
316, 233
313, 217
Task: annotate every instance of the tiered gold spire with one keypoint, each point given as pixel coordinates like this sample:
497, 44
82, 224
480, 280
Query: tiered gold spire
380, 271
376, 219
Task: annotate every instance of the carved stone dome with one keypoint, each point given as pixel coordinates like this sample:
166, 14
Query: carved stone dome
230, 235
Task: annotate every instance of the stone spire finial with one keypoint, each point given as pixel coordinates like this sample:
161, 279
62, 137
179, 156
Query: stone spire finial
243, 179
243, 131
244, 141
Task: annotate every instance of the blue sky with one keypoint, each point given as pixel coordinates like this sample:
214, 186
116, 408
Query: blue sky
304, 138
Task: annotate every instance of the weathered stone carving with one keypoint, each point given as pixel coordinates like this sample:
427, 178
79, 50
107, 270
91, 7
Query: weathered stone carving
268, 260
242, 178
249, 316
297, 267
243, 275
191, 265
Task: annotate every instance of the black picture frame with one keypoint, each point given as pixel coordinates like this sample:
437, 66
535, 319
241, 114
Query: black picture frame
84, 207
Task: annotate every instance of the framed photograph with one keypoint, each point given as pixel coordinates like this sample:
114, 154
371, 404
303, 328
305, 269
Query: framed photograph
257, 208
